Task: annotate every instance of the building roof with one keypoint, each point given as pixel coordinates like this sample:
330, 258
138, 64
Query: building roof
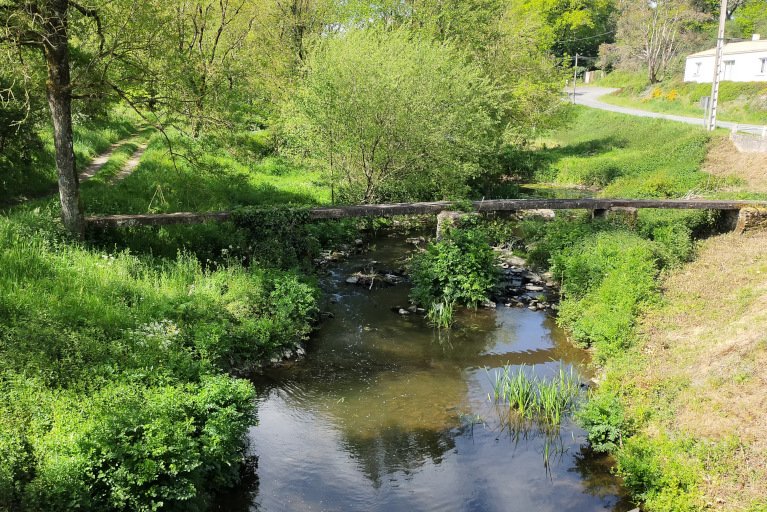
735, 48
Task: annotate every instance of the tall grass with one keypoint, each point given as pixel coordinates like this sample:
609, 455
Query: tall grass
545, 401
440, 314
210, 177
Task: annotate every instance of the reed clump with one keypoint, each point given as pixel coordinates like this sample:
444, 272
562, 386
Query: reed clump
544, 400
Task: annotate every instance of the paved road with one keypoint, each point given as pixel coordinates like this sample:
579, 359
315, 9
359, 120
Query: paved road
589, 97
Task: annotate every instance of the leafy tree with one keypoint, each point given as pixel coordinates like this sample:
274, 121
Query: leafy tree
653, 33
752, 18
44, 25
393, 115
568, 27
72, 51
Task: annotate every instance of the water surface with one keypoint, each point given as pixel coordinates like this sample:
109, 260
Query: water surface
387, 414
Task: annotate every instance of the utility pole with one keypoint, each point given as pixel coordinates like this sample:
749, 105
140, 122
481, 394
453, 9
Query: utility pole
575, 76
717, 68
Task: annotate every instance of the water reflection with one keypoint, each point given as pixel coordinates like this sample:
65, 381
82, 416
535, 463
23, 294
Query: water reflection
387, 414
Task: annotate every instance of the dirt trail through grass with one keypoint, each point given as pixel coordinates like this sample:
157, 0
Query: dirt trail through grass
130, 165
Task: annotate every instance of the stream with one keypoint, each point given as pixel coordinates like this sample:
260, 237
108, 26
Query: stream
386, 413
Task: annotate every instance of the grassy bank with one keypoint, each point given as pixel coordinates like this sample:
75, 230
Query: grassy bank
739, 102
117, 355
114, 369
631, 293
214, 173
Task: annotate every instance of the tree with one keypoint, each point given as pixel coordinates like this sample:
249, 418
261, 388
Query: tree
210, 37
568, 27
44, 25
392, 115
752, 18
87, 49
653, 32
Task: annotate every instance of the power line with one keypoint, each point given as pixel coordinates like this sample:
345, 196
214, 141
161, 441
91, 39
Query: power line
584, 38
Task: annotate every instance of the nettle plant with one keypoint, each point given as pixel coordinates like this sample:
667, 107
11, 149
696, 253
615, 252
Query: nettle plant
460, 269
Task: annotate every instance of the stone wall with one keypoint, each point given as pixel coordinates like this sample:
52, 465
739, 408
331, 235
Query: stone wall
751, 219
749, 143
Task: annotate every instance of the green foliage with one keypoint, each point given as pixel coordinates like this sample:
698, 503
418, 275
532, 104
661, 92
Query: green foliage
545, 239
751, 18
607, 279
27, 166
111, 393
126, 447
280, 234
217, 177
658, 474
742, 102
392, 115
567, 28
461, 268
650, 158
605, 422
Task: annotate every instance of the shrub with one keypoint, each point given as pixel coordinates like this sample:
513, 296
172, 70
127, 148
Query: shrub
605, 422
606, 279
657, 472
392, 115
461, 268
126, 447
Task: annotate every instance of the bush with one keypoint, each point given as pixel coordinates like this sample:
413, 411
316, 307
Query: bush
606, 279
111, 396
126, 447
657, 473
394, 116
605, 422
459, 269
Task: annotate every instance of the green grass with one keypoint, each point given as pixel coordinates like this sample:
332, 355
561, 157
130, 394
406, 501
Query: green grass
609, 271
113, 393
625, 156
37, 176
739, 102
547, 401
117, 160
214, 180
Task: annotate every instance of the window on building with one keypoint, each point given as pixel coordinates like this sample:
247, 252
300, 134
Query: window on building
699, 64
728, 65
763, 68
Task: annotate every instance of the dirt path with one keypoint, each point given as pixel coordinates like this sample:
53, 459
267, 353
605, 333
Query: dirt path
131, 164
100, 160
127, 169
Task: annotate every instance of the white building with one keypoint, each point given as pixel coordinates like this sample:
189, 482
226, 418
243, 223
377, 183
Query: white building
741, 62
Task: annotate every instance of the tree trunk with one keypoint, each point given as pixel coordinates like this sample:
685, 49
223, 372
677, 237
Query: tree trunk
58, 89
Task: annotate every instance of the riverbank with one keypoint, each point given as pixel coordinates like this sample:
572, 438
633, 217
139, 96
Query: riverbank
695, 382
675, 324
